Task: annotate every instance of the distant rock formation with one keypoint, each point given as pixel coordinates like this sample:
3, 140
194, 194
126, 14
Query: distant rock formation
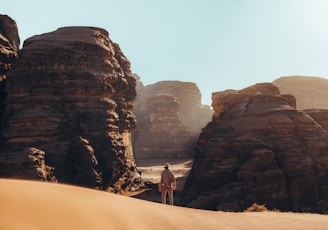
70, 95
169, 119
9, 47
259, 149
310, 92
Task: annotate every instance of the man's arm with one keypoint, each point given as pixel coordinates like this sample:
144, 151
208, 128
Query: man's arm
174, 181
160, 183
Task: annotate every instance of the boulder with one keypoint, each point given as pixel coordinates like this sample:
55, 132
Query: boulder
27, 163
70, 94
259, 149
170, 117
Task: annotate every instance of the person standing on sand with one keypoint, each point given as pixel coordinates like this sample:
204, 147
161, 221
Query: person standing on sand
167, 184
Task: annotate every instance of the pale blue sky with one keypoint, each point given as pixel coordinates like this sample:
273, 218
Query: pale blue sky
218, 44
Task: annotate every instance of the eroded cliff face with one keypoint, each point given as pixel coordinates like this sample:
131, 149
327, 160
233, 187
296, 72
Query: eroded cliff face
9, 33
259, 149
70, 95
9, 47
170, 117
9, 44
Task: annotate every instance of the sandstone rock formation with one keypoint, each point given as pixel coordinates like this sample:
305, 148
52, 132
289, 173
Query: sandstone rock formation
259, 149
9, 47
319, 115
9, 44
27, 163
169, 119
310, 92
70, 95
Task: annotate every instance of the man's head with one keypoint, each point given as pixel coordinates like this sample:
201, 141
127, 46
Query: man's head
167, 165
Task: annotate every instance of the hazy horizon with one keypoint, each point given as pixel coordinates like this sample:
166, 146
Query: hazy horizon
216, 44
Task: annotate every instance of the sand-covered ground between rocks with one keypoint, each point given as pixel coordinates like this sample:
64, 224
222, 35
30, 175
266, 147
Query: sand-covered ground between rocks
38, 205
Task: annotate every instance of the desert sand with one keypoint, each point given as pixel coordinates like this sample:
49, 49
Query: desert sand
38, 205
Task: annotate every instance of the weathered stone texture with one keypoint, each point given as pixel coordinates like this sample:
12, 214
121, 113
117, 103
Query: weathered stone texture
9, 47
170, 116
259, 149
26, 164
70, 94
319, 115
9, 44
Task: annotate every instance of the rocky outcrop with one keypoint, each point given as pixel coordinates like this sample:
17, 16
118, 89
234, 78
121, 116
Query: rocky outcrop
9, 44
170, 117
310, 92
9, 47
259, 149
319, 115
70, 95
27, 163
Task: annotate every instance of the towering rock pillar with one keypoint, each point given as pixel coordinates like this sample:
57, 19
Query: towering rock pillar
70, 95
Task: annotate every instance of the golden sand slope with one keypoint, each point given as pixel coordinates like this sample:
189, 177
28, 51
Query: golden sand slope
37, 205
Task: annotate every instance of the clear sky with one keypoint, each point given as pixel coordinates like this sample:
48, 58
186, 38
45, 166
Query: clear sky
218, 44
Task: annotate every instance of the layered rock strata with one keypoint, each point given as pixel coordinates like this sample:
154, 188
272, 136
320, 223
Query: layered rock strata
9, 47
170, 117
319, 115
259, 149
70, 95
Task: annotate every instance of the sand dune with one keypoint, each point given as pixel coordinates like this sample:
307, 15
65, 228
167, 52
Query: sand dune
37, 205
